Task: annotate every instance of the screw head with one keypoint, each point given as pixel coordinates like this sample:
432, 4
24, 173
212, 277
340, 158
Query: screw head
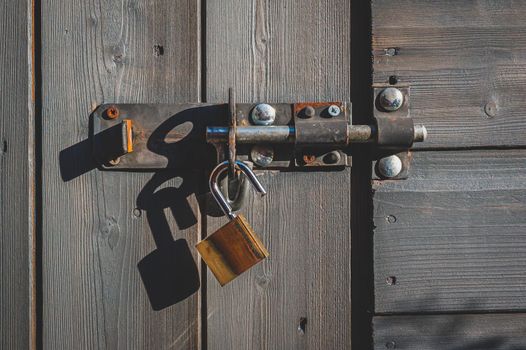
112, 112
334, 110
389, 166
309, 112
390, 219
391, 99
137, 212
262, 155
263, 114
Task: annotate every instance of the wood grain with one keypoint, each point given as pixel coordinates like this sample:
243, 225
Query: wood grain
465, 63
452, 237
16, 176
93, 236
299, 297
454, 332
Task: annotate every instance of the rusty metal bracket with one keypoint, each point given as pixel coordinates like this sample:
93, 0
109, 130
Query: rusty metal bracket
279, 136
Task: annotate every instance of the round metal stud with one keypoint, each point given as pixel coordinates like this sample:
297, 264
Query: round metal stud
263, 114
332, 157
309, 112
391, 99
334, 110
262, 155
389, 166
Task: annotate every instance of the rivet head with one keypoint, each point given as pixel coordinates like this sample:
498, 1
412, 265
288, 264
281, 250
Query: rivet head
262, 155
334, 110
263, 114
309, 112
390, 166
332, 157
391, 99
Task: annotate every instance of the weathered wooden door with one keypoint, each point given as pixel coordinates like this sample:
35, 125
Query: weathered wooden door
437, 259
450, 242
98, 225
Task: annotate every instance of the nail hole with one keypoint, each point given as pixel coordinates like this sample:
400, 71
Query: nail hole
393, 80
392, 51
390, 280
391, 219
390, 345
137, 212
302, 325
158, 50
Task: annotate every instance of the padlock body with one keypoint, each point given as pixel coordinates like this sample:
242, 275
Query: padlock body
231, 250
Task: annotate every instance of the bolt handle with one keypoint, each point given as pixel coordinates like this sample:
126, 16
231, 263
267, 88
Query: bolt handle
218, 195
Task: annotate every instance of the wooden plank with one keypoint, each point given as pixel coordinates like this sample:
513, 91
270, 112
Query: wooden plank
454, 332
453, 235
465, 63
97, 226
15, 178
298, 298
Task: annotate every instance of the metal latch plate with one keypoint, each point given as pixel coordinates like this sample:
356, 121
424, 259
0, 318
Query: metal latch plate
173, 136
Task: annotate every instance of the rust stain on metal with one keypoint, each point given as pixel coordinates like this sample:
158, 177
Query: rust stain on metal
298, 107
309, 158
112, 112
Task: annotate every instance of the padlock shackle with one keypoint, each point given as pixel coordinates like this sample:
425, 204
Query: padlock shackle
216, 192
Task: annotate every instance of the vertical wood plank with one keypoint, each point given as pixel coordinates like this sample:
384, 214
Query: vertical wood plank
93, 52
299, 298
15, 177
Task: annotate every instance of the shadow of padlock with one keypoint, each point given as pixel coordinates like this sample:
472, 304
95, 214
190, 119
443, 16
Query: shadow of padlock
235, 247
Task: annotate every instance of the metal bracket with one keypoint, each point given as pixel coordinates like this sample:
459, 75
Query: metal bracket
396, 132
279, 136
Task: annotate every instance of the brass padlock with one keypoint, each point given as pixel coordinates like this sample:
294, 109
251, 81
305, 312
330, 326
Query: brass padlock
235, 247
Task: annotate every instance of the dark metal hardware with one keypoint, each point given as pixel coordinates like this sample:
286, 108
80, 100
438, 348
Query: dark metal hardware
396, 132
299, 135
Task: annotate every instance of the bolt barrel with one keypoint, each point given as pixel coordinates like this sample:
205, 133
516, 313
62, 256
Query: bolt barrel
286, 134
